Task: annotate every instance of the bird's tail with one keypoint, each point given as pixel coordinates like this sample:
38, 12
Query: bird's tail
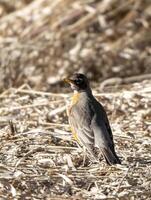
110, 156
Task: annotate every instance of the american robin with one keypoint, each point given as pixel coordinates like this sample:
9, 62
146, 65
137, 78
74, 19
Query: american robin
88, 120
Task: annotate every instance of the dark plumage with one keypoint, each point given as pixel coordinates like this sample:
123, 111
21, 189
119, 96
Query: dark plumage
89, 121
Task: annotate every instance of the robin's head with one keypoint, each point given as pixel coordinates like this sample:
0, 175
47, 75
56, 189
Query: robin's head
78, 82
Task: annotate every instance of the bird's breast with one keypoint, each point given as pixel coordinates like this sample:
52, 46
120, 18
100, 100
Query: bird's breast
74, 100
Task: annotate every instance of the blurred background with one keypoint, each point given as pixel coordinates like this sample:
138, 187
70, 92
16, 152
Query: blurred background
43, 40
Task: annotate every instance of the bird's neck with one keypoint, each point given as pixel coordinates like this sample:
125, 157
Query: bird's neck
75, 97
77, 94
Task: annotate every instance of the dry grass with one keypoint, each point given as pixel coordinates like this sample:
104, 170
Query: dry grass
39, 159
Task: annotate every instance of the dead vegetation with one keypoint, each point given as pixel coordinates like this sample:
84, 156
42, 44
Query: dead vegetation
41, 41
39, 159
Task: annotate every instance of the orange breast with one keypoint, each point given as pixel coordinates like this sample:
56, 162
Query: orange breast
74, 100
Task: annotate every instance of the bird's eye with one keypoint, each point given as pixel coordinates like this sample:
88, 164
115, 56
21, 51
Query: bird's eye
78, 81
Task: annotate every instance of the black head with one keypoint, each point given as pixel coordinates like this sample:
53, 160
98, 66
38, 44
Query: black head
78, 82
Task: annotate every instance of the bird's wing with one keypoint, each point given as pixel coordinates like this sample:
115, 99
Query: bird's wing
104, 141
101, 127
103, 138
102, 116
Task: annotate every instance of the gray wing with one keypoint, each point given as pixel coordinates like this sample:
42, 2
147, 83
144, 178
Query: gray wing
101, 133
103, 137
103, 119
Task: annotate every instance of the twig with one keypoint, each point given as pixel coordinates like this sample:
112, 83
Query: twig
28, 154
41, 93
12, 128
120, 183
47, 124
56, 111
126, 80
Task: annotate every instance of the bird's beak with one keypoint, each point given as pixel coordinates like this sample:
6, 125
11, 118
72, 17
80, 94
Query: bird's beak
68, 80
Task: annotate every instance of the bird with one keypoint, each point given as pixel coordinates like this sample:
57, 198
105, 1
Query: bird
88, 120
